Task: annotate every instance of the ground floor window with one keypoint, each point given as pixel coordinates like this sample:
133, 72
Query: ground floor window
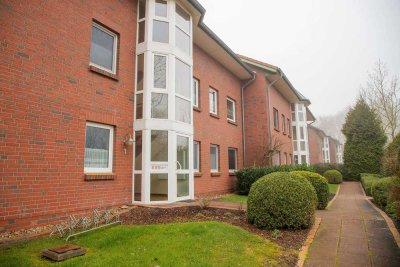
232, 158
278, 158
158, 186
214, 157
99, 147
196, 156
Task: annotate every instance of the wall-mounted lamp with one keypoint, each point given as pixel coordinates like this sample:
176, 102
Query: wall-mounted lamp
128, 141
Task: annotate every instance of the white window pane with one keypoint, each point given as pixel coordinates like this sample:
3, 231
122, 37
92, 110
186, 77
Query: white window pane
102, 48
214, 158
182, 19
140, 72
159, 106
138, 150
160, 71
302, 145
182, 153
142, 9
182, 79
182, 189
182, 110
158, 187
232, 158
137, 187
303, 159
213, 101
195, 93
139, 106
161, 8
231, 110
196, 156
301, 133
159, 145
97, 147
142, 29
160, 31
182, 41
301, 116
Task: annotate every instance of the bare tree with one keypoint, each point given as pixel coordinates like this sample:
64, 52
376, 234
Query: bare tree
270, 150
382, 93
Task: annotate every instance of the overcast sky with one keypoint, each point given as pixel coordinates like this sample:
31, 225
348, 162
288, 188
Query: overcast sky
325, 47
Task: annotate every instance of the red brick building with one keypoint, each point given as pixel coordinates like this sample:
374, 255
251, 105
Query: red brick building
324, 148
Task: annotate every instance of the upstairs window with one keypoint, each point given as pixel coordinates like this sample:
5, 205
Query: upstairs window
232, 158
182, 30
289, 127
231, 105
103, 50
276, 119
98, 148
283, 124
195, 94
213, 97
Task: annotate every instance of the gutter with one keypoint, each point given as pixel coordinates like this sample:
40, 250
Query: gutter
269, 105
243, 120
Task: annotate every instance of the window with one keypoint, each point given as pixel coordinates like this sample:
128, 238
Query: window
301, 133
183, 110
142, 25
276, 119
160, 71
214, 158
294, 133
139, 106
303, 159
283, 124
231, 109
159, 106
140, 72
182, 30
161, 8
196, 156
160, 31
213, 97
289, 127
296, 159
290, 159
103, 50
232, 158
99, 147
138, 150
301, 116
278, 158
195, 93
182, 79
159, 145
285, 161
182, 153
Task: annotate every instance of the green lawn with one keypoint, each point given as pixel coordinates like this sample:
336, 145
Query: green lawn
333, 188
186, 244
235, 198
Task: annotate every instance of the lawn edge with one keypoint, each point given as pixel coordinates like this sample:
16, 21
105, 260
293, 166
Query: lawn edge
333, 199
306, 246
388, 220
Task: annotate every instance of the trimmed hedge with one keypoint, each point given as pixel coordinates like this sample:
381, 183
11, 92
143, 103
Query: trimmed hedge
320, 185
333, 176
282, 200
367, 180
380, 191
247, 176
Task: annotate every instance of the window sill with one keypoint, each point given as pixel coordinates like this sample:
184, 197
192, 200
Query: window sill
103, 72
100, 176
214, 115
198, 174
215, 174
232, 122
276, 130
196, 109
232, 173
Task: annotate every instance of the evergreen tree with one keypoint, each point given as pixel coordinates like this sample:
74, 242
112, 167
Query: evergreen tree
365, 140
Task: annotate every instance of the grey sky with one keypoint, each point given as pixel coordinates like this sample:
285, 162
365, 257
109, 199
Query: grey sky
325, 47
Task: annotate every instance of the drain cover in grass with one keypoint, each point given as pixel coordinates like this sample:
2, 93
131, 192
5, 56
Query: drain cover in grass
63, 252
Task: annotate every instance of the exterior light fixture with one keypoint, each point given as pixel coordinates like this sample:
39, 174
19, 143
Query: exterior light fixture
128, 141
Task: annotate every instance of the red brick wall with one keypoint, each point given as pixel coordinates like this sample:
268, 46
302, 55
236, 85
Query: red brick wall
279, 136
332, 150
256, 121
316, 143
211, 130
47, 94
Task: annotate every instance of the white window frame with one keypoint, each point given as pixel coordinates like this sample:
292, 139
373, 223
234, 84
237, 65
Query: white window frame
276, 118
234, 109
217, 158
198, 156
115, 47
110, 149
236, 161
195, 92
278, 158
283, 117
214, 104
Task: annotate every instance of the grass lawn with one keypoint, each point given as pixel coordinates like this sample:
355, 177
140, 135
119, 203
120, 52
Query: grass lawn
185, 244
235, 198
333, 188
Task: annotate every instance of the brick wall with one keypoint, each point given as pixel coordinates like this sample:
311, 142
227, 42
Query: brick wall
332, 150
47, 94
215, 130
316, 143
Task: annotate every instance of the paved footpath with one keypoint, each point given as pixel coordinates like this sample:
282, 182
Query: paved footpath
352, 233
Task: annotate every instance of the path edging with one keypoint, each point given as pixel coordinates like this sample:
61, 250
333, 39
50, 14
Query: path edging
333, 199
306, 246
388, 220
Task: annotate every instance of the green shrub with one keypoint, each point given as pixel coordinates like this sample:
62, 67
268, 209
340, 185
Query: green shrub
367, 180
320, 185
393, 202
380, 191
282, 200
333, 176
247, 176
321, 168
390, 162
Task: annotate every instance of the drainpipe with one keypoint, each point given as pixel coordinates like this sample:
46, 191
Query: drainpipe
268, 108
242, 104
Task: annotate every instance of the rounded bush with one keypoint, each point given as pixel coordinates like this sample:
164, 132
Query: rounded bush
333, 176
320, 185
282, 200
380, 191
